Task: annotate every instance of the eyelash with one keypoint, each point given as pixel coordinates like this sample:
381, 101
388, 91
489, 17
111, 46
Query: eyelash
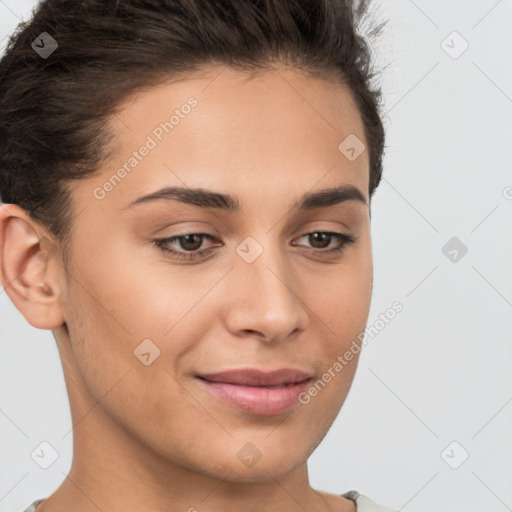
194, 255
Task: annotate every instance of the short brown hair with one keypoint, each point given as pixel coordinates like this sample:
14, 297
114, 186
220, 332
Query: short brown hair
54, 111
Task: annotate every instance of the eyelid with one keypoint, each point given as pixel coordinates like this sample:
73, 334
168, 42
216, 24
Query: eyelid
342, 238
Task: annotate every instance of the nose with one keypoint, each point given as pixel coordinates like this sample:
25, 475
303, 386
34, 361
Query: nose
265, 299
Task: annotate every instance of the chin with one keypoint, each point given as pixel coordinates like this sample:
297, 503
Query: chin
273, 464
261, 473
265, 466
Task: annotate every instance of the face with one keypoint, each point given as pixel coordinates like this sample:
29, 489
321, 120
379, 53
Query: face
169, 288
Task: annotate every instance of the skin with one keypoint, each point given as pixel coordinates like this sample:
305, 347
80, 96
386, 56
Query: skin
150, 437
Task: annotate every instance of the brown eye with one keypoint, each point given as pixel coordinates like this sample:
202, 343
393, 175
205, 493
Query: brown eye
191, 242
188, 245
320, 240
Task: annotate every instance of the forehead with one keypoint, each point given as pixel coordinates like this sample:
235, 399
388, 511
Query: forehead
276, 130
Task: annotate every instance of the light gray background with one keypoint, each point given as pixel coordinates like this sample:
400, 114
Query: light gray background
441, 371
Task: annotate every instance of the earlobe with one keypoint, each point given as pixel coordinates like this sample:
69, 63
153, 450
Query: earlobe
25, 268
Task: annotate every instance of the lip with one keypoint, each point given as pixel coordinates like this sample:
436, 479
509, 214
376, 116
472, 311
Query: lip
257, 391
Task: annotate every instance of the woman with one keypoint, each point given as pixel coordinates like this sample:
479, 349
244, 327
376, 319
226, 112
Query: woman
186, 189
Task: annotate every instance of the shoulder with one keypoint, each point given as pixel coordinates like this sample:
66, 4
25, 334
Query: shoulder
365, 504
33, 505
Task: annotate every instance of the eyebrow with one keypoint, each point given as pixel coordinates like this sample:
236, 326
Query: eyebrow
209, 199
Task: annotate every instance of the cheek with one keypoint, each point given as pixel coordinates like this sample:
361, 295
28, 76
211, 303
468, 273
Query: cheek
341, 311
343, 304
106, 327
128, 300
120, 309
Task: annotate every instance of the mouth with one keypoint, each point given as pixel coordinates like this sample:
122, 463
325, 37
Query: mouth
257, 391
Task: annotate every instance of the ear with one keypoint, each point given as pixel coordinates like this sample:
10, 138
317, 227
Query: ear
29, 268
